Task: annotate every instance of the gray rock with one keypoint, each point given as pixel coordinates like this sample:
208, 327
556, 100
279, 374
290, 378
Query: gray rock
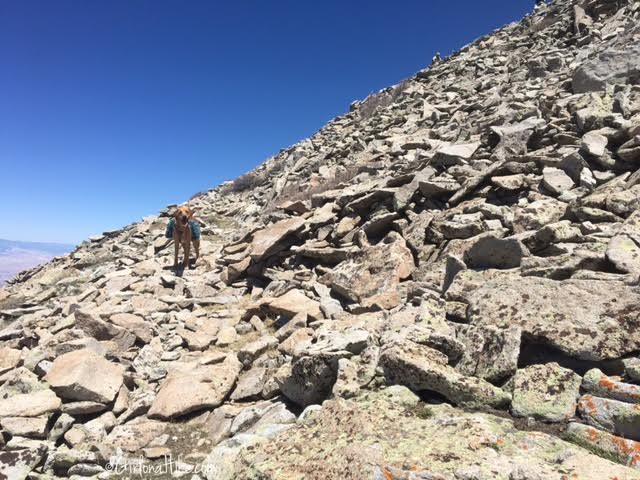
594, 144
615, 65
83, 408
620, 418
538, 214
30, 404
133, 437
590, 320
545, 392
630, 151
556, 180
512, 139
492, 252
623, 249
248, 353
83, 375
186, 392
371, 277
597, 383
308, 379
632, 368
17, 464
250, 384
422, 368
489, 353
34, 427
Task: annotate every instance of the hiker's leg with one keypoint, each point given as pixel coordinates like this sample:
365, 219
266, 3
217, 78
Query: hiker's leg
176, 251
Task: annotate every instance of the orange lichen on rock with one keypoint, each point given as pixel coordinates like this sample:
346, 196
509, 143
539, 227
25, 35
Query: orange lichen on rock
387, 474
628, 448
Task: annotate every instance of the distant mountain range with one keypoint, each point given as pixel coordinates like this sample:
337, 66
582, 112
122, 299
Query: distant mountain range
16, 256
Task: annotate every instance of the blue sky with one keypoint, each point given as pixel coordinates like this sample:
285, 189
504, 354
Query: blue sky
110, 110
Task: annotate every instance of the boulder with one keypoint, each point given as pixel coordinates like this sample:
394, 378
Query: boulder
390, 434
465, 225
250, 384
630, 151
623, 249
593, 143
84, 375
147, 364
101, 330
184, 392
456, 153
17, 464
556, 181
438, 186
586, 319
196, 341
269, 240
371, 277
135, 324
632, 368
33, 404
309, 379
618, 449
597, 383
292, 303
538, 214
132, 437
422, 368
489, 353
545, 392
620, 418
249, 352
83, 408
614, 65
9, 359
492, 252
297, 321
512, 139
32, 427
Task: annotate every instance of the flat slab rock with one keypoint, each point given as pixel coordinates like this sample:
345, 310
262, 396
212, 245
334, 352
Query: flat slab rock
390, 434
30, 404
422, 368
620, 418
84, 375
586, 319
205, 387
16, 464
622, 450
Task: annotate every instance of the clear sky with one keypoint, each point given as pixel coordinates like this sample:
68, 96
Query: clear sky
112, 109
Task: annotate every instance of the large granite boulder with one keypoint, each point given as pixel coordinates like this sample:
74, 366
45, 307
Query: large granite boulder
586, 319
84, 375
422, 368
371, 277
193, 389
614, 65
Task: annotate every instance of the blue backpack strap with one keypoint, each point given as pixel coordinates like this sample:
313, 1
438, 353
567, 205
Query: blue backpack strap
169, 232
195, 230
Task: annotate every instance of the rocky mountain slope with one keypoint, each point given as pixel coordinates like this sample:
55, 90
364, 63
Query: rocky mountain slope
440, 284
